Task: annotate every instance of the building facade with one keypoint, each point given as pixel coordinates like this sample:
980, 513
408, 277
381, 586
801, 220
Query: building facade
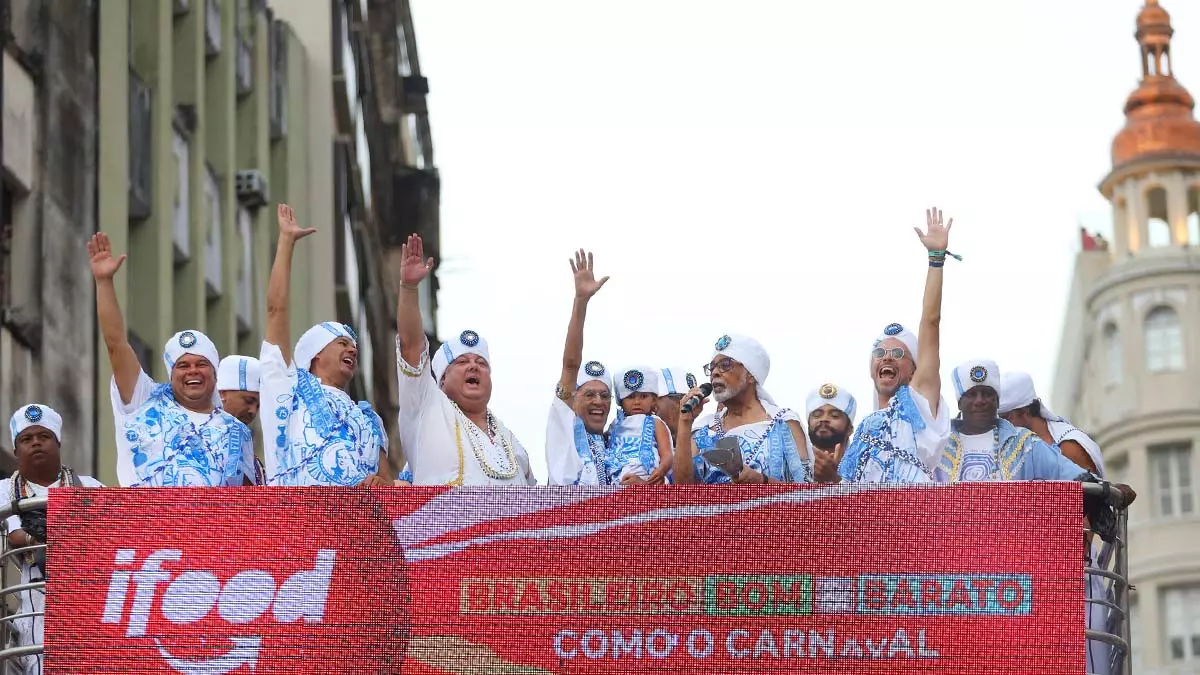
177, 126
1129, 363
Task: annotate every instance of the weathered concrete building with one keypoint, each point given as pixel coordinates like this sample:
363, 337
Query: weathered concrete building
47, 332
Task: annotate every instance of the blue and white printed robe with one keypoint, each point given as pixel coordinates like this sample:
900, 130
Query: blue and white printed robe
899, 443
315, 434
162, 444
1021, 456
767, 447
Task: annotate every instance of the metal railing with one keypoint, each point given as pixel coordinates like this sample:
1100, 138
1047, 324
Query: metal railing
1107, 589
10, 651
1108, 613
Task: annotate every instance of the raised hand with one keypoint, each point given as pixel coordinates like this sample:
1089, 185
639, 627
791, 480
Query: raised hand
288, 226
413, 265
826, 462
936, 237
585, 279
104, 265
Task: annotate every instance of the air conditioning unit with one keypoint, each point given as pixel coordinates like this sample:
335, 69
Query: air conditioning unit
251, 188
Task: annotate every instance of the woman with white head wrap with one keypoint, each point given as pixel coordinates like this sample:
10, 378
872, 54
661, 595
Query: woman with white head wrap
448, 432
1020, 405
901, 441
771, 439
576, 450
173, 434
316, 434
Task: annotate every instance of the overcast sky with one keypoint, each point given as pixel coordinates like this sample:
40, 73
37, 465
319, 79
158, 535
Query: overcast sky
757, 167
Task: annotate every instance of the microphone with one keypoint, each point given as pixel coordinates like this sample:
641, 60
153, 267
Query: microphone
688, 405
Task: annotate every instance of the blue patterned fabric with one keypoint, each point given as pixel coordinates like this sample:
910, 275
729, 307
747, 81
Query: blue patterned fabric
884, 448
771, 450
1020, 455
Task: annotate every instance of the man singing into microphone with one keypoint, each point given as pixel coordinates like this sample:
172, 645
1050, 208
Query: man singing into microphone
771, 439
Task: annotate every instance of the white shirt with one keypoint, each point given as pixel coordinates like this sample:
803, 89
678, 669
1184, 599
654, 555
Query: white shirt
442, 445
162, 444
31, 629
342, 448
568, 463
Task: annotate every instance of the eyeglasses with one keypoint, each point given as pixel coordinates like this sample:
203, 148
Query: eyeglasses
602, 396
723, 366
894, 352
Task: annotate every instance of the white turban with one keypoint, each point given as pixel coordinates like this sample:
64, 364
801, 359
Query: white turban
1017, 392
467, 342
593, 371
829, 394
973, 374
189, 342
238, 373
35, 414
676, 381
317, 338
637, 379
748, 352
904, 335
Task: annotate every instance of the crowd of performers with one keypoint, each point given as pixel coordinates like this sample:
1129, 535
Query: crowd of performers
194, 430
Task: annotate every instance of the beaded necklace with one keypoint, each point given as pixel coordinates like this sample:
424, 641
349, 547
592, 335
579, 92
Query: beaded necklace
720, 429
507, 461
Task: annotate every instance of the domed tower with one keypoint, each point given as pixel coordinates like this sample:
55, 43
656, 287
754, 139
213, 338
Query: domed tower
1129, 364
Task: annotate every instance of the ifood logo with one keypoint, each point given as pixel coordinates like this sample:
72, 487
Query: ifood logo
192, 596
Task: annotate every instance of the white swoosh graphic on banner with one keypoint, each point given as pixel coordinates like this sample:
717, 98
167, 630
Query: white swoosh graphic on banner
434, 551
244, 653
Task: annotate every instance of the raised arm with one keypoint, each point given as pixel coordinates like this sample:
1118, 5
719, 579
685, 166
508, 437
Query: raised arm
414, 267
125, 366
281, 279
585, 287
927, 378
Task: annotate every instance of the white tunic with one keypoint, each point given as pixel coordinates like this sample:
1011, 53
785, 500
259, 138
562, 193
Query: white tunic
443, 446
571, 452
162, 444
30, 630
335, 442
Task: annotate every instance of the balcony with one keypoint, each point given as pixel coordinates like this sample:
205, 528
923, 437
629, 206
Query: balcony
181, 214
415, 197
245, 274
181, 7
212, 28
140, 169
277, 97
212, 235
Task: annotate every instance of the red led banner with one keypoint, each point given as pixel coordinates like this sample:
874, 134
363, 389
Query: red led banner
983, 578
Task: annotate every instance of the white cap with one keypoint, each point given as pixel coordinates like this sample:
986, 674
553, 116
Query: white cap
189, 342
593, 371
830, 394
980, 373
238, 373
638, 378
904, 335
676, 381
317, 338
748, 352
35, 414
467, 342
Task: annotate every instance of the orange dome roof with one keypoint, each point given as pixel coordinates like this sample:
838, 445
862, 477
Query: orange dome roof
1158, 114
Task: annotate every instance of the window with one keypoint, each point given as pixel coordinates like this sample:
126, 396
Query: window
1158, 232
245, 272
1181, 614
212, 235
1112, 354
414, 140
404, 65
1164, 340
182, 205
1171, 476
1135, 637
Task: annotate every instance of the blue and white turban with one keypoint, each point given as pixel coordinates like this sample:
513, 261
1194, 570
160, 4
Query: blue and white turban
467, 342
238, 373
904, 335
676, 381
593, 371
636, 379
317, 338
980, 373
830, 394
35, 414
189, 342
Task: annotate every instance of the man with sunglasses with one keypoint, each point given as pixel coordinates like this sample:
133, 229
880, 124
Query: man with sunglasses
902, 440
576, 451
771, 439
